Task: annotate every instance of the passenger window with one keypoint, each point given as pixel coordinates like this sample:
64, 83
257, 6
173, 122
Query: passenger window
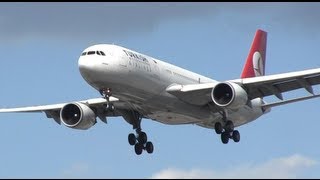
98, 53
91, 52
102, 53
84, 53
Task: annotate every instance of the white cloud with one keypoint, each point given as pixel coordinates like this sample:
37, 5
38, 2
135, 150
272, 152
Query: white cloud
285, 167
76, 170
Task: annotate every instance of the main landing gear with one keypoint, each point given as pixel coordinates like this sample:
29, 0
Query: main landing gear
140, 140
227, 131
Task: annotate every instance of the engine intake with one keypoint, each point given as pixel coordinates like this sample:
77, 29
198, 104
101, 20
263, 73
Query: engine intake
77, 116
229, 95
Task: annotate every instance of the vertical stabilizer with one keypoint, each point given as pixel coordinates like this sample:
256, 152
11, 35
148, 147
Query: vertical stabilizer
256, 60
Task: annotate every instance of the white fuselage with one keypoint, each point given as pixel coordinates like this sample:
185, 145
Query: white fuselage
141, 81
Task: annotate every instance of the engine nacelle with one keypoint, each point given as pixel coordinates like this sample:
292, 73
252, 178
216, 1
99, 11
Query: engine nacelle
77, 116
229, 95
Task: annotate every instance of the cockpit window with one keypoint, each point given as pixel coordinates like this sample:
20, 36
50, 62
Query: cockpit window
100, 53
91, 52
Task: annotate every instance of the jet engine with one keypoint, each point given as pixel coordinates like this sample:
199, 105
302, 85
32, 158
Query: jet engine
229, 95
77, 116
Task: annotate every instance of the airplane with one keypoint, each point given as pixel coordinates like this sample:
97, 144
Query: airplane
136, 86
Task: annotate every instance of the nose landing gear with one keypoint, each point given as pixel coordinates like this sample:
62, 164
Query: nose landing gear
107, 93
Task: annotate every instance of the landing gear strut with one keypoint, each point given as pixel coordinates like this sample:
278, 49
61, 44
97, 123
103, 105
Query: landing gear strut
140, 139
106, 93
227, 131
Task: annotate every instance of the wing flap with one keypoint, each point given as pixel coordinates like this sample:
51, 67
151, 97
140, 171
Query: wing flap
270, 105
54, 114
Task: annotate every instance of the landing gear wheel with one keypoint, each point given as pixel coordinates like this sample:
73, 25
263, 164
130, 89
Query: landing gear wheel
142, 137
138, 148
132, 139
236, 136
225, 137
149, 147
110, 107
218, 127
229, 126
139, 139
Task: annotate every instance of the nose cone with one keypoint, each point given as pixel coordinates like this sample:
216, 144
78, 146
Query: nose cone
83, 65
88, 67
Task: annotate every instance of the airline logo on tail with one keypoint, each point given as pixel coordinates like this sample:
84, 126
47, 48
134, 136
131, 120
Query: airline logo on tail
255, 63
258, 65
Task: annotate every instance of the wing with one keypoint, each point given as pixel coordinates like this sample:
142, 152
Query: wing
262, 86
197, 94
277, 84
53, 110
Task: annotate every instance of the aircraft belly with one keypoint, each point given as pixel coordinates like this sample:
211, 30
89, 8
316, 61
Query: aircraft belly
161, 107
239, 117
173, 118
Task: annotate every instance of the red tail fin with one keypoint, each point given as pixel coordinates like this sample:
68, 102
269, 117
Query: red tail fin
256, 60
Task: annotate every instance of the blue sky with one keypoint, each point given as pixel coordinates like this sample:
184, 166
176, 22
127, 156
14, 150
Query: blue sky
40, 44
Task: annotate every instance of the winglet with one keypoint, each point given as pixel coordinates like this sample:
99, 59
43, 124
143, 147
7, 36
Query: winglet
256, 60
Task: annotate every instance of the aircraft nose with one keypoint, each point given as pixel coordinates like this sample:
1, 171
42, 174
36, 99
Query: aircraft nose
92, 66
81, 63
86, 65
